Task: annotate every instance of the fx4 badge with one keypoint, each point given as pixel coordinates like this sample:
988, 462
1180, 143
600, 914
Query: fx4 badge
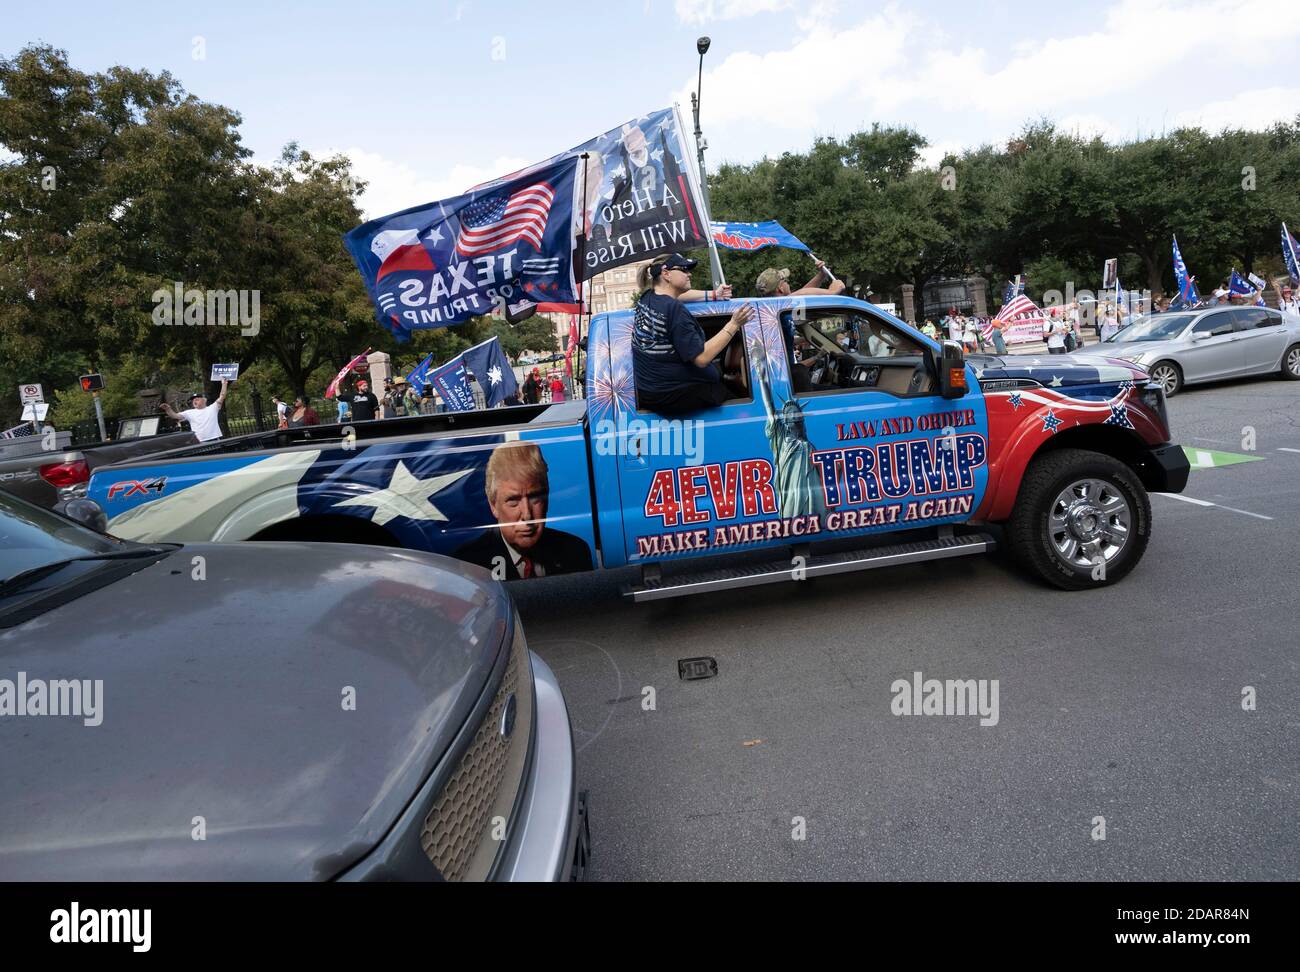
129, 487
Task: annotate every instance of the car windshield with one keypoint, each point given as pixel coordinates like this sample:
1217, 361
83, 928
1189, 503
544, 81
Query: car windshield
33, 537
1157, 327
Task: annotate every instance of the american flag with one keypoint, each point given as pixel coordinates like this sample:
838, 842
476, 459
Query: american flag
1013, 288
498, 221
1018, 306
1019, 309
18, 431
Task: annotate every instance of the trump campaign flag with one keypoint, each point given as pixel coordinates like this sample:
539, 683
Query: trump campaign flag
491, 370
451, 382
535, 234
1187, 295
1238, 286
419, 375
1291, 254
754, 236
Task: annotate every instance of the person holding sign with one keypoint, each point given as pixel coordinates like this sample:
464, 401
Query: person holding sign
673, 362
364, 404
204, 419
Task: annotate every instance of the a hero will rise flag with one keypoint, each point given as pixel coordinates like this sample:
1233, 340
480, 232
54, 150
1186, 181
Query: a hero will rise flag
640, 196
754, 236
632, 191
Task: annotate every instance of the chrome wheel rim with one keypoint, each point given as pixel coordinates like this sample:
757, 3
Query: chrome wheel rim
1089, 523
1166, 378
1293, 361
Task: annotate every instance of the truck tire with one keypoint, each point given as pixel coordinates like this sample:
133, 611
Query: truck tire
1082, 519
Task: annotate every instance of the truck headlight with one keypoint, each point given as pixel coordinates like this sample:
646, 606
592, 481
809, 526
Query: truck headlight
1153, 396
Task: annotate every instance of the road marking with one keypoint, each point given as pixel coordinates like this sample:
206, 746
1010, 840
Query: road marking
1285, 449
1185, 499
1212, 458
1217, 506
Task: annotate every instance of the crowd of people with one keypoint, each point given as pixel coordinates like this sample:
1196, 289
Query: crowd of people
356, 402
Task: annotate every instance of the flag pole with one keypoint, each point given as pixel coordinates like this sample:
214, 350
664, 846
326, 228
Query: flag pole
582, 284
715, 262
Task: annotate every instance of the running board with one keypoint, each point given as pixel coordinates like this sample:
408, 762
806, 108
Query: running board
773, 572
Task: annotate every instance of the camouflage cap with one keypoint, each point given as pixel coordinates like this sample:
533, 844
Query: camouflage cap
770, 279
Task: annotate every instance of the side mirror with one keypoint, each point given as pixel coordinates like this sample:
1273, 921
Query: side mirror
1201, 335
951, 365
86, 512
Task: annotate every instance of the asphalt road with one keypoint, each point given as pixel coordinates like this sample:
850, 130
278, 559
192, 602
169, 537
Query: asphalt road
1123, 703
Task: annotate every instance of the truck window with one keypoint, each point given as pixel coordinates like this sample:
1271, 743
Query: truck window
837, 351
732, 363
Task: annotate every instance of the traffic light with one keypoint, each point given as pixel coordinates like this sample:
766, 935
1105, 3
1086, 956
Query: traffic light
92, 382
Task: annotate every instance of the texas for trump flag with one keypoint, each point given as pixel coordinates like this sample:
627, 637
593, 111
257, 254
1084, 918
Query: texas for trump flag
532, 236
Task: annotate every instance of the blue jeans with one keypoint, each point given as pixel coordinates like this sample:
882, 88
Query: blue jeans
999, 345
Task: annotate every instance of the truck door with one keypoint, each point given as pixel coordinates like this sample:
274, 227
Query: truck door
682, 478
872, 448
891, 453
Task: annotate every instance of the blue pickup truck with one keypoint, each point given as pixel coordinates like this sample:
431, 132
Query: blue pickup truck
894, 434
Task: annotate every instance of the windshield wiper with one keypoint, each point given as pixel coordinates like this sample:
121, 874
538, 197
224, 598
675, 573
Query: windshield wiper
23, 577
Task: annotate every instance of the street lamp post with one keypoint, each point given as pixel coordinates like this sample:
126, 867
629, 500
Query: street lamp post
715, 264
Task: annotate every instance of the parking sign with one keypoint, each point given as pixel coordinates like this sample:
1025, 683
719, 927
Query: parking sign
30, 393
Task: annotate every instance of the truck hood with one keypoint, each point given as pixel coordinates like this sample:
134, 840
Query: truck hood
225, 712
1056, 370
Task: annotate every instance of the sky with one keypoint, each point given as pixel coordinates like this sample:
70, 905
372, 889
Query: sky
431, 98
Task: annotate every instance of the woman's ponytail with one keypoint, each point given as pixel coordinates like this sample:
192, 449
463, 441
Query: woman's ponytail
645, 277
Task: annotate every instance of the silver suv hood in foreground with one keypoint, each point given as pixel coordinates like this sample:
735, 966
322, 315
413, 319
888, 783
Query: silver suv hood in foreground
226, 711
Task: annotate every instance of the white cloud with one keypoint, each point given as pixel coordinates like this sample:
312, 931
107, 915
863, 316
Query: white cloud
1091, 79
1250, 109
394, 186
704, 11
934, 153
1136, 42
790, 88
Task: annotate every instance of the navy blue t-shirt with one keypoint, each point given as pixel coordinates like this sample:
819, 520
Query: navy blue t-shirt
665, 340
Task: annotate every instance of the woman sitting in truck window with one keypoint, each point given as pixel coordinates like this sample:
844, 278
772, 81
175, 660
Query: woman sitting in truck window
673, 363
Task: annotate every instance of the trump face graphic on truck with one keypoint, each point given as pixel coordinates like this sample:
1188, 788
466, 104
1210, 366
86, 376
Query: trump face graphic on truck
521, 545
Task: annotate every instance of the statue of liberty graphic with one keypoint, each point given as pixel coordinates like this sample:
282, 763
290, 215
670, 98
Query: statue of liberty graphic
798, 484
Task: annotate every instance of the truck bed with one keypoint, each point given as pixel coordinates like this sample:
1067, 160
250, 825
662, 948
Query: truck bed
414, 426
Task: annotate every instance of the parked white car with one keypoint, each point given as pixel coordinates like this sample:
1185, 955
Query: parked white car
1185, 347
